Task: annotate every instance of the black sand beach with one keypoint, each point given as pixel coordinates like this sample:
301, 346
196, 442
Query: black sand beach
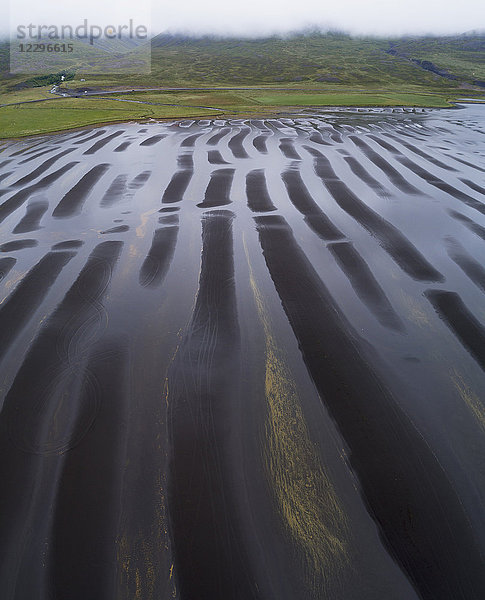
245, 359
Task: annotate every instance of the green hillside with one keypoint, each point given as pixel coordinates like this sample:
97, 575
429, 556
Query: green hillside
462, 57
315, 60
312, 59
311, 69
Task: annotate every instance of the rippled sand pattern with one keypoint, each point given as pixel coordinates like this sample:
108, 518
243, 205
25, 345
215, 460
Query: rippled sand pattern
245, 359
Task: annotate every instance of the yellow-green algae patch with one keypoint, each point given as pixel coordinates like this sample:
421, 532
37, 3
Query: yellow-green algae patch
306, 498
470, 398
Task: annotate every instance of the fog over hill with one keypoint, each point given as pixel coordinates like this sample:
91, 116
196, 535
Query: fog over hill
265, 17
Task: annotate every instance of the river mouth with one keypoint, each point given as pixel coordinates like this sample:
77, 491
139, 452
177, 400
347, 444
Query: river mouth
245, 358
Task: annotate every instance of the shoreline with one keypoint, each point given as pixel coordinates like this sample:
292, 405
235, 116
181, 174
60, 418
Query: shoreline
256, 115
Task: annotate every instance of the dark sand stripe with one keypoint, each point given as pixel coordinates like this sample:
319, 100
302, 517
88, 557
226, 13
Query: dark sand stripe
156, 264
394, 176
472, 185
218, 189
72, 203
169, 220
215, 158
386, 145
420, 518
391, 239
91, 137
442, 185
16, 201
151, 141
259, 124
315, 218
277, 125
257, 192
419, 137
117, 229
317, 138
474, 270
83, 559
176, 188
78, 135
185, 161
465, 162
169, 209
366, 285
122, 147
54, 364
41, 169
4, 163
210, 558
470, 223
21, 304
68, 245
215, 139
424, 155
140, 180
102, 143
288, 149
471, 333
365, 176
4, 176
236, 143
18, 245
6, 264
34, 148
33, 215
115, 192
189, 142
38, 155
259, 143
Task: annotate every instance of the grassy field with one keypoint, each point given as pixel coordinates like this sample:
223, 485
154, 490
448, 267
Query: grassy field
251, 99
70, 113
350, 99
313, 70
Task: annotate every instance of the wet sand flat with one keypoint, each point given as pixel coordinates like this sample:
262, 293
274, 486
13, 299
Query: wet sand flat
245, 359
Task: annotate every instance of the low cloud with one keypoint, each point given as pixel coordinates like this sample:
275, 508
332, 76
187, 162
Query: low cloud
262, 17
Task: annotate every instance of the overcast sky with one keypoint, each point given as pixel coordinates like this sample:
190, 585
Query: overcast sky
259, 17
